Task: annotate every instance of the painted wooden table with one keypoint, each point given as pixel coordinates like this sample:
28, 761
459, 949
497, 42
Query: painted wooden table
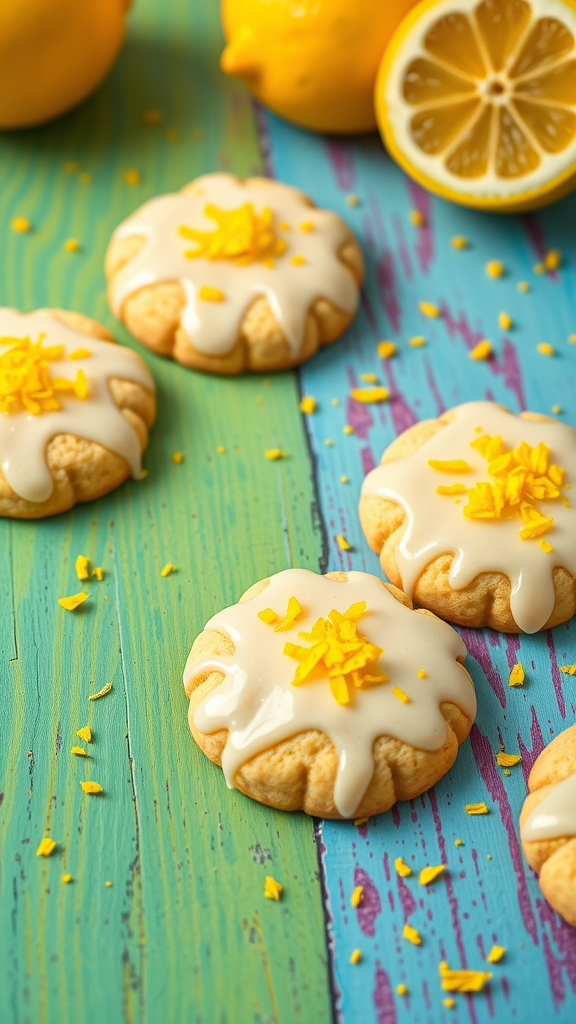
183, 933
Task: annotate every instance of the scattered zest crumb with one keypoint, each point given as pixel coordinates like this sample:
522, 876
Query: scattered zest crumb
523, 286
352, 200
421, 673
553, 259
517, 675
494, 268
473, 809
505, 321
101, 693
539, 268
108, 885
545, 348
507, 760
98, 572
293, 612
459, 242
569, 670
412, 935
458, 842
298, 260
429, 309
328, 442
449, 1002
153, 116
402, 868
401, 989
344, 480
85, 733
417, 218
66, 879
209, 294
369, 378
342, 543
72, 245
131, 176
79, 752
80, 353
462, 981
72, 602
348, 429
386, 349
168, 568
401, 696
356, 897
417, 341
368, 396
308, 405
483, 350
46, 847
220, 449
81, 566
572, 339
429, 874
360, 821
21, 225
306, 226
272, 888
274, 454
495, 955
178, 458
355, 956
556, 409
92, 787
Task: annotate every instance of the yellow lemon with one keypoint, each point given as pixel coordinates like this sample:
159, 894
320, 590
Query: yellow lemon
53, 53
476, 99
315, 61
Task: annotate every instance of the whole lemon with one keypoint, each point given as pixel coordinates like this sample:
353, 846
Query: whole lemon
53, 53
311, 61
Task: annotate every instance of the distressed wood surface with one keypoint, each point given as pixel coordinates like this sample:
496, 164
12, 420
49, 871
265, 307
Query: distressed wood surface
488, 894
184, 932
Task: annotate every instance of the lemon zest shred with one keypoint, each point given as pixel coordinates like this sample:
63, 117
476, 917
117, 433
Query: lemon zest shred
360, 821
308, 405
85, 733
26, 384
273, 454
72, 602
82, 567
209, 294
400, 695
412, 934
272, 888
268, 616
80, 353
241, 236
369, 378
342, 543
46, 847
462, 981
495, 955
450, 466
66, 879
357, 896
402, 989
495, 268
430, 874
403, 869
101, 693
92, 788
177, 458
429, 309
517, 675
355, 956
504, 321
483, 350
21, 225
79, 752
293, 612
545, 546
569, 670
507, 760
475, 809
298, 260
386, 349
370, 396
417, 341
417, 218
545, 348
459, 242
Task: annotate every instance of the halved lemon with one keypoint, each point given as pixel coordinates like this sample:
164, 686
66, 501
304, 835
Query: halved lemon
477, 100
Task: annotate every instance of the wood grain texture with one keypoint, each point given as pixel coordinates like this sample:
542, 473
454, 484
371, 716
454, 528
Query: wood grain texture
488, 895
184, 932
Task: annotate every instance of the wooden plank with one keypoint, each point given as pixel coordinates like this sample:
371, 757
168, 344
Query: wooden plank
480, 900
184, 932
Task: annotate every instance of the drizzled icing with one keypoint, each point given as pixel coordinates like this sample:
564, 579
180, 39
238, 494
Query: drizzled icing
260, 707
435, 524
24, 437
555, 816
290, 284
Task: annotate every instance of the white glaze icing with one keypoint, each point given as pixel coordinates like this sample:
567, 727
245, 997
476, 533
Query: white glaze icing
24, 437
259, 706
555, 815
214, 327
435, 524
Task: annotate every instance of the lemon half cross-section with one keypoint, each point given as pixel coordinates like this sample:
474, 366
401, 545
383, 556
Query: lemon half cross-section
476, 100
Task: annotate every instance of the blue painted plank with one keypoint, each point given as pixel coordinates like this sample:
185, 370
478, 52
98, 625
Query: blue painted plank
488, 894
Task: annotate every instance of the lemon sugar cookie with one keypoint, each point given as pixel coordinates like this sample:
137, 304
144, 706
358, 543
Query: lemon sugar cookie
471, 515
329, 694
229, 275
548, 823
75, 410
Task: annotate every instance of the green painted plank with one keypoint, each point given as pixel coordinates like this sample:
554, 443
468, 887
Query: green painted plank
184, 932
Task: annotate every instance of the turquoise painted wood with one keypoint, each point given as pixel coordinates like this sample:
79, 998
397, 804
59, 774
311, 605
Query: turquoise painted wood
488, 895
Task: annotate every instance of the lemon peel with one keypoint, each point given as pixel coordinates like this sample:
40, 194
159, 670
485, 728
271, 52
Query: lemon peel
495, 955
403, 869
430, 874
517, 675
272, 888
475, 809
81, 565
241, 236
46, 847
92, 788
462, 981
26, 384
72, 602
101, 693
293, 612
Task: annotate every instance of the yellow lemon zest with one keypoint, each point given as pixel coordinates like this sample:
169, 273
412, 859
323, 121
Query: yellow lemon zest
72, 245
462, 981
545, 348
386, 349
81, 566
417, 341
79, 752
429, 309
449, 1003
412, 935
474, 809
507, 760
101, 693
21, 225
517, 675
168, 568
177, 458
72, 602
85, 733
355, 956
459, 242
342, 543
451, 489
66, 879
569, 670
272, 888
356, 897
495, 955
274, 454
306, 225
339, 651
429, 874
402, 989
80, 353
241, 235
308, 404
360, 821
504, 321
298, 260
421, 673
293, 612
494, 268
416, 218
344, 479
400, 695
369, 378
92, 788
26, 384
449, 465
403, 869
268, 616
483, 350
553, 259
369, 396
209, 294
46, 847
348, 429
545, 546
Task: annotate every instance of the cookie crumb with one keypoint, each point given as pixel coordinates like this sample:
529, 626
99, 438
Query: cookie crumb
429, 874
272, 888
473, 809
46, 847
72, 602
101, 693
357, 895
412, 935
168, 568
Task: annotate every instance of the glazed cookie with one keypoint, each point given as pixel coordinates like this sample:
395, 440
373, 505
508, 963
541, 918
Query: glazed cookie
75, 410
229, 275
548, 823
329, 694
470, 515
